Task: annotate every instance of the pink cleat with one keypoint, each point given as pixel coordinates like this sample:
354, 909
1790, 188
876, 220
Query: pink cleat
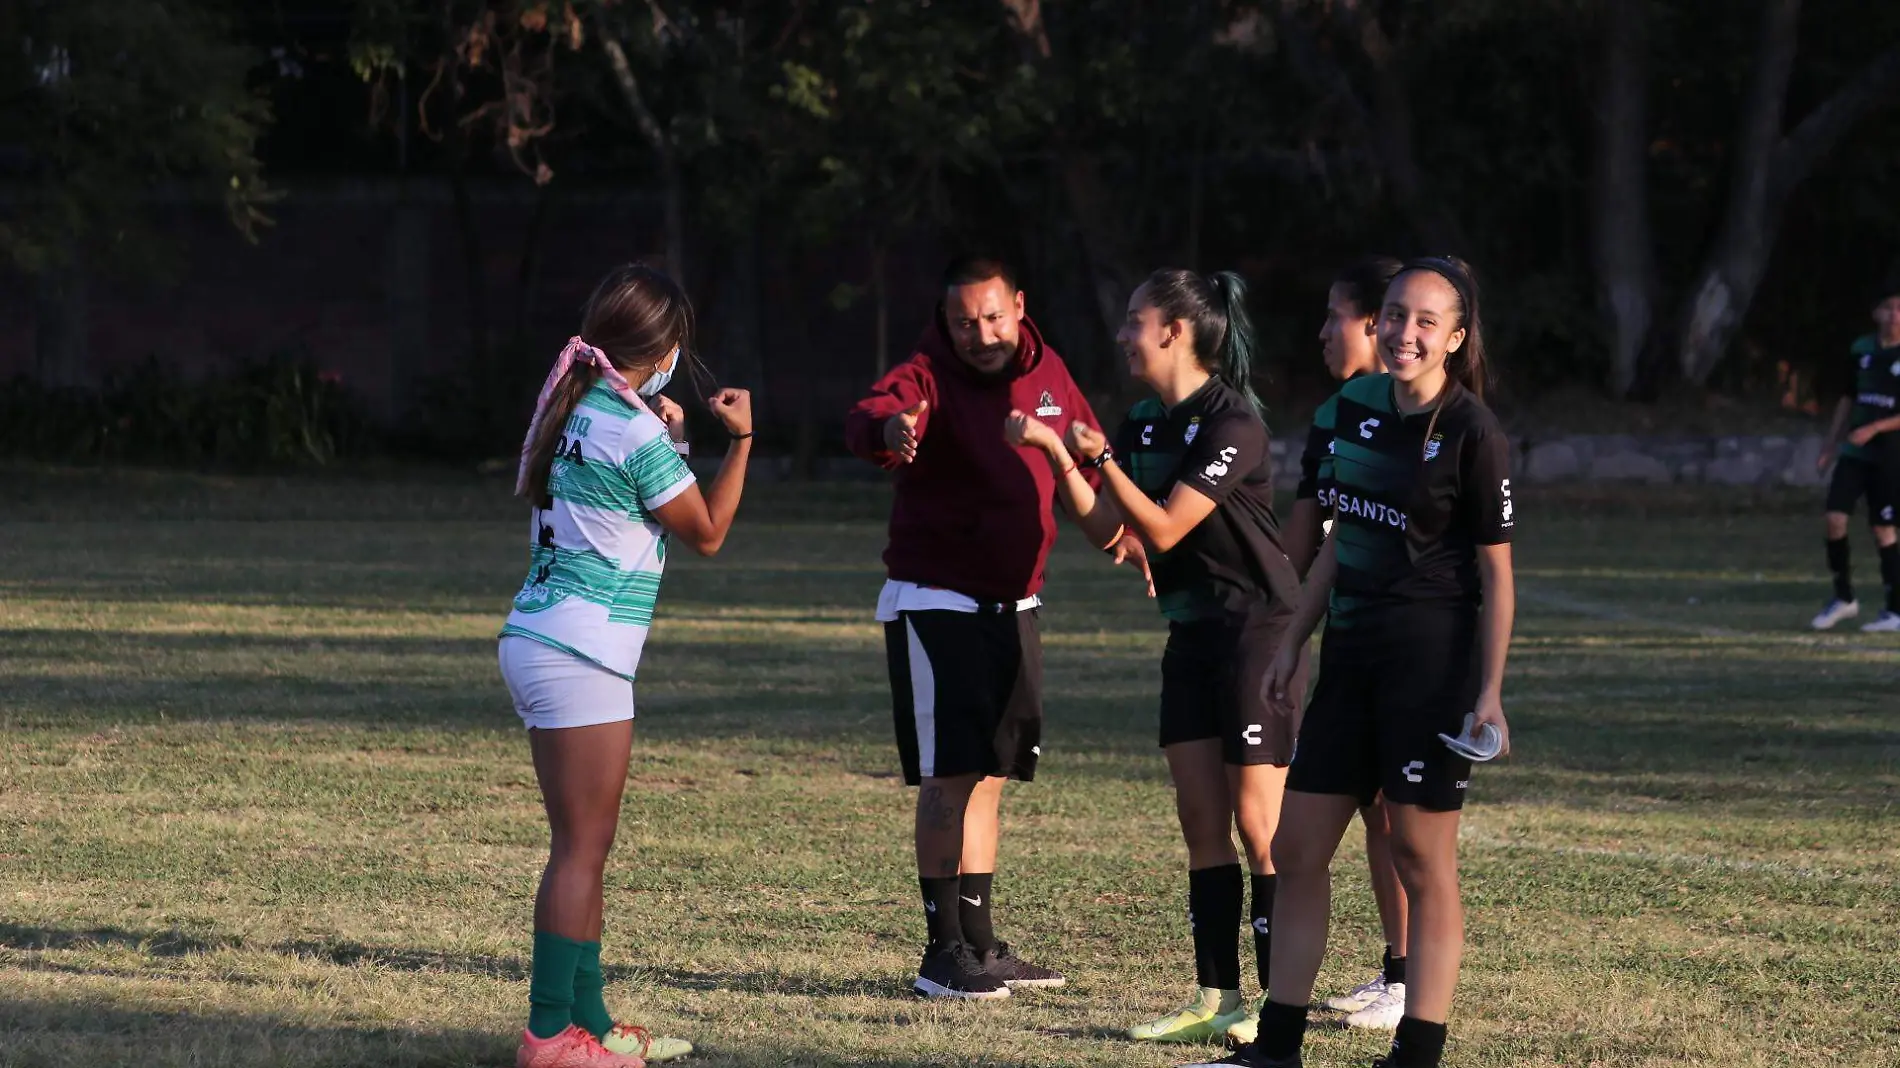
572, 1048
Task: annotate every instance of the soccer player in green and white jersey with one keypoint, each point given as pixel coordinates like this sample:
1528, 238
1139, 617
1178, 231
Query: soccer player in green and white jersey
603, 472
1866, 432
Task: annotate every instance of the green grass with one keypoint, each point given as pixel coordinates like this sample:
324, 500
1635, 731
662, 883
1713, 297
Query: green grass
264, 802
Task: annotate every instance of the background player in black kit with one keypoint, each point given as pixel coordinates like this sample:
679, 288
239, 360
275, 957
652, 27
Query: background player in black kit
1866, 430
1191, 475
1416, 580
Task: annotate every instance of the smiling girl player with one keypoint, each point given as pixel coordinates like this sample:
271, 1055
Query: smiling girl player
608, 487
1415, 581
1191, 475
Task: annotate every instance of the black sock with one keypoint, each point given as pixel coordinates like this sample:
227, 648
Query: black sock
1890, 574
973, 910
1214, 914
1837, 565
1394, 967
1262, 925
940, 910
1282, 1029
1417, 1044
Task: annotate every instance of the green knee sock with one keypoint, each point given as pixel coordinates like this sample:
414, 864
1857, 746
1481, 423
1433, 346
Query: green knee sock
551, 984
590, 1006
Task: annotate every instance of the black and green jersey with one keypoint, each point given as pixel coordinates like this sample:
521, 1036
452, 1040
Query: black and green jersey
1319, 445
1876, 396
1215, 443
1409, 512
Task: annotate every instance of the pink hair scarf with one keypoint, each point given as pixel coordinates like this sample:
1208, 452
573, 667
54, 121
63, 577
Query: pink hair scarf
577, 351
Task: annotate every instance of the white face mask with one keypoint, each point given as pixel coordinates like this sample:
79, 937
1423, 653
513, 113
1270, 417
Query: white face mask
661, 376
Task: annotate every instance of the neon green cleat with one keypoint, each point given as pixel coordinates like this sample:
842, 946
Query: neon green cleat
1247, 1028
630, 1041
1205, 1019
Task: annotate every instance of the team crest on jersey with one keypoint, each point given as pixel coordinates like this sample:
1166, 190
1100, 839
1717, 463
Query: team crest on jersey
1866, 361
1431, 447
1194, 427
1047, 406
1895, 369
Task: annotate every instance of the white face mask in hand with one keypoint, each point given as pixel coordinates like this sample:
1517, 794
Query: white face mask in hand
661, 375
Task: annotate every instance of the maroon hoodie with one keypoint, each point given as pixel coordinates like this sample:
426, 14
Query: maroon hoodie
972, 513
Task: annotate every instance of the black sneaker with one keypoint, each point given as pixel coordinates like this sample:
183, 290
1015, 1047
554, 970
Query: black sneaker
952, 971
1248, 1056
1015, 971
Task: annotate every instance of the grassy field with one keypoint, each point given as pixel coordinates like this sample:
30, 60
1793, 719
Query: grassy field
264, 801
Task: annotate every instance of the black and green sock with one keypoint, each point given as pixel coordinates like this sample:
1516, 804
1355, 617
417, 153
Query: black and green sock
590, 999
551, 984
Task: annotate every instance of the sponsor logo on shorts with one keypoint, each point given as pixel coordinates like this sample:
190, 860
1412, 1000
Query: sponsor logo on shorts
1464, 784
1036, 749
1252, 734
1046, 406
1411, 771
1347, 504
1214, 472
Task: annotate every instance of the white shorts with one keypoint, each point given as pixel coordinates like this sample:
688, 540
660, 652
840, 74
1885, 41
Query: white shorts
553, 689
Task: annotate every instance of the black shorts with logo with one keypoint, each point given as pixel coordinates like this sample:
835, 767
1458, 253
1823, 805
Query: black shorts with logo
1212, 676
1386, 691
1875, 478
966, 693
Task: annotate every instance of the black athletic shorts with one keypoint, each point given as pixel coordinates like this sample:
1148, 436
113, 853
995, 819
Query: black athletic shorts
1212, 675
1387, 688
1878, 480
966, 693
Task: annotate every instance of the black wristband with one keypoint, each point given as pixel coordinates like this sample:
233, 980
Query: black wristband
1107, 454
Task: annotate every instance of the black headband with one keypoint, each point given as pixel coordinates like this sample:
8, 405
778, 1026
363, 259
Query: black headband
1452, 273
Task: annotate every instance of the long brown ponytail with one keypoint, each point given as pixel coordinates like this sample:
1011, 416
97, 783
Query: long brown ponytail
548, 434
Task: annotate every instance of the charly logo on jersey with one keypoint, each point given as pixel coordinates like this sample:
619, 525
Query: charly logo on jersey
1895, 369
1504, 511
1366, 427
1046, 406
1432, 446
1217, 470
1866, 361
1148, 434
1194, 427
1346, 504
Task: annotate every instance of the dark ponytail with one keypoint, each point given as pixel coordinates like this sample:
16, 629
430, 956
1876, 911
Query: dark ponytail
547, 434
1467, 366
1215, 309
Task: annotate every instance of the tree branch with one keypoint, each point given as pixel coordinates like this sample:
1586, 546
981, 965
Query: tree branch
1804, 146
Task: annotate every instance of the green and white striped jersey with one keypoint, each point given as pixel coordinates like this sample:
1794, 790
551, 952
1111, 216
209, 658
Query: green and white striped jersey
594, 575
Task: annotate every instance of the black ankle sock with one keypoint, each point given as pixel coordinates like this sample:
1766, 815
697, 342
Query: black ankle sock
1214, 914
1890, 574
1837, 565
1262, 918
1417, 1044
1394, 967
1282, 1029
973, 910
940, 910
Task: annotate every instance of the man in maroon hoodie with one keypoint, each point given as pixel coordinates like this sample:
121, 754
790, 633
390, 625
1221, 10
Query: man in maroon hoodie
971, 528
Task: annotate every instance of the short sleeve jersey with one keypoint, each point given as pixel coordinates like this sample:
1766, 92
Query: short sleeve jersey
597, 553
1876, 397
1409, 512
1319, 444
1215, 442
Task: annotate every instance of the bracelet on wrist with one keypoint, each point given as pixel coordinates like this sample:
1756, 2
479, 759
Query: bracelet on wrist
1103, 457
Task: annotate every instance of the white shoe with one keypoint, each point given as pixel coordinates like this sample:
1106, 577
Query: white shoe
1384, 1012
1835, 611
1885, 623
1359, 996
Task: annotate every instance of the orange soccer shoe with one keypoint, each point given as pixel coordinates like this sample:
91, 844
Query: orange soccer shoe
572, 1048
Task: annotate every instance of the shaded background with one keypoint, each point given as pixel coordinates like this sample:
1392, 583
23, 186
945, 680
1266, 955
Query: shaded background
293, 231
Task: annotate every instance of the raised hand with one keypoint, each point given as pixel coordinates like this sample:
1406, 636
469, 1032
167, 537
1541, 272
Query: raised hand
1085, 441
1026, 431
733, 408
901, 436
671, 414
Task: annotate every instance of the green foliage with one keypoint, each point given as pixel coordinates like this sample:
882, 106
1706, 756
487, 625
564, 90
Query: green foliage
112, 102
270, 412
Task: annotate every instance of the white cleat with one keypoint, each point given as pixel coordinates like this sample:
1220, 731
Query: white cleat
1885, 623
1835, 611
1359, 996
1384, 1012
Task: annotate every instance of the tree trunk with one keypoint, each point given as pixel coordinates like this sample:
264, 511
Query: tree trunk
671, 179
1767, 169
1624, 252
